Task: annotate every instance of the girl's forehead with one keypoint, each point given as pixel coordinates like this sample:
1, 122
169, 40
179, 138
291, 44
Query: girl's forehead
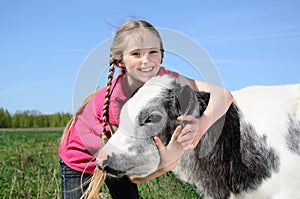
142, 41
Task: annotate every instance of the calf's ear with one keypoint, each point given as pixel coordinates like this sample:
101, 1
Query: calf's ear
186, 99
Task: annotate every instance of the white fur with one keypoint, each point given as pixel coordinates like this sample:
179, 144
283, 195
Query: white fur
274, 103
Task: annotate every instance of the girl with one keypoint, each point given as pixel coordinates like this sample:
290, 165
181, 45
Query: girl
138, 50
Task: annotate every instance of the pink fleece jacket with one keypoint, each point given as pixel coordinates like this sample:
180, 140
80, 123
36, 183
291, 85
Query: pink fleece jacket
79, 148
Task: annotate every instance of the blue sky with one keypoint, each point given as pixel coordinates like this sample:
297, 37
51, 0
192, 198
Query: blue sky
44, 44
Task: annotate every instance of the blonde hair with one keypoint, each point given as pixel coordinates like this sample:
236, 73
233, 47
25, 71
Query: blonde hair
132, 29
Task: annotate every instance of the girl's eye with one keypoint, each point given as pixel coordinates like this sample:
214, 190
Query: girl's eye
136, 54
153, 51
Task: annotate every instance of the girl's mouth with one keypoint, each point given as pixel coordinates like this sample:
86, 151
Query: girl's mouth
149, 69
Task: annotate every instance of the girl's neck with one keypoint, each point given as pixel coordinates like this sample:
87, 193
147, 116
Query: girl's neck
133, 84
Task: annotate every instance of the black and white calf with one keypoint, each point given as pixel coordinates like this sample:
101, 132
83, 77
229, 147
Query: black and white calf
253, 151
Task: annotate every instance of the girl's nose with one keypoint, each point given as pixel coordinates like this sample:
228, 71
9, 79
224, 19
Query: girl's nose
145, 58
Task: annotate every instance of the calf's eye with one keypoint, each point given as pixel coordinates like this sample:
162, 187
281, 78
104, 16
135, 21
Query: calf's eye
153, 118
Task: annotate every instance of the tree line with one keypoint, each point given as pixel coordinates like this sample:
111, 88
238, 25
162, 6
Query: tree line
32, 119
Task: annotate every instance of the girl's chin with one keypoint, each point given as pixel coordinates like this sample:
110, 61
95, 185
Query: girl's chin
146, 78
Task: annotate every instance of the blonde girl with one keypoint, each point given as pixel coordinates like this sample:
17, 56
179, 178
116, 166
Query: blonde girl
137, 49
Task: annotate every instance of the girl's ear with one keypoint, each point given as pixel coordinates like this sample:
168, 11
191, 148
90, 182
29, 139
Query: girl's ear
120, 64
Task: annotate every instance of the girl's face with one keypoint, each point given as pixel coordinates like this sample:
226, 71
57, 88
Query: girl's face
141, 59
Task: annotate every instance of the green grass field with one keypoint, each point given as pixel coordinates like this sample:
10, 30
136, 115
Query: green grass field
30, 169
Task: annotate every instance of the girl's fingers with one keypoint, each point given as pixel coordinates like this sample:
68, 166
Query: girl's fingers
186, 143
194, 144
190, 147
187, 118
159, 143
185, 137
176, 133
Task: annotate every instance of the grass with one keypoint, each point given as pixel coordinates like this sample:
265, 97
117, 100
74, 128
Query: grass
29, 164
29, 168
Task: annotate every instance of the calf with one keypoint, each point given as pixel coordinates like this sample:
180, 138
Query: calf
253, 151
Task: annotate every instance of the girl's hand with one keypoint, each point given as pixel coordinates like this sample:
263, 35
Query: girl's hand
171, 153
169, 156
192, 131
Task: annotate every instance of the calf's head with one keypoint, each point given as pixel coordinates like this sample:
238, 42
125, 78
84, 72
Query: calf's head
152, 111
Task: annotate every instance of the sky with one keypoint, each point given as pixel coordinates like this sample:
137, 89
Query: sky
45, 46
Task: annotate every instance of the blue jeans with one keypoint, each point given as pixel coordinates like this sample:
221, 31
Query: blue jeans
72, 180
